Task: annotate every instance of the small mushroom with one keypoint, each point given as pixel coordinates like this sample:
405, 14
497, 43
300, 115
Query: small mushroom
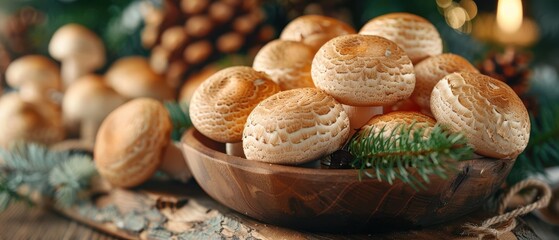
79, 49
288, 63
429, 71
36, 77
220, 106
417, 36
315, 30
87, 102
294, 127
394, 121
132, 143
133, 77
486, 110
363, 73
29, 122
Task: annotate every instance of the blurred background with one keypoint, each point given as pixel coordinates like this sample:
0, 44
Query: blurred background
511, 40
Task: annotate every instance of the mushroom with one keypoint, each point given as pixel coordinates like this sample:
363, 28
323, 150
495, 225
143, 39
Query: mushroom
25, 121
133, 142
288, 63
417, 36
393, 122
133, 77
79, 49
294, 127
315, 30
486, 110
87, 102
36, 77
220, 106
429, 71
363, 73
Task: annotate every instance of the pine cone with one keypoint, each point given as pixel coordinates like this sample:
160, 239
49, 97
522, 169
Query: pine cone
184, 35
15, 29
332, 8
510, 67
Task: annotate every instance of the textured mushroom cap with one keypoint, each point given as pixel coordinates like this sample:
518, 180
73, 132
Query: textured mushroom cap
220, 106
315, 30
417, 36
74, 41
133, 77
131, 141
429, 71
295, 126
288, 63
486, 110
394, 121
90, 98
360, 70
25, 121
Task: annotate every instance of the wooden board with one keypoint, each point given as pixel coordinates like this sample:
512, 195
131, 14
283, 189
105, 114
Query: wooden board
163, 210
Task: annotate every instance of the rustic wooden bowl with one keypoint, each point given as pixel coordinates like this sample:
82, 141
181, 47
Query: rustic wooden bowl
335, 199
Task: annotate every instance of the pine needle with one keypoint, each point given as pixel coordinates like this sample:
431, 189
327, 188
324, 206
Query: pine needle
406, 151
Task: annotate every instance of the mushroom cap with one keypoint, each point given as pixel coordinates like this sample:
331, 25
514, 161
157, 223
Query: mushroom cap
288, 63
295, 126
394, 121
486, 110
35, 70
133, 77
315, 30
25, 121
131, 141
429, 71
417, 36
361, 70
90, 98
74, 41
221, 104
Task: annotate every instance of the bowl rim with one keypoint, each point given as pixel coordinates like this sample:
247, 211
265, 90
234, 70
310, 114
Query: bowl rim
190, 140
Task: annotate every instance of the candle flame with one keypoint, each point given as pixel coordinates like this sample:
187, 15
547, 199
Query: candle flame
509, 15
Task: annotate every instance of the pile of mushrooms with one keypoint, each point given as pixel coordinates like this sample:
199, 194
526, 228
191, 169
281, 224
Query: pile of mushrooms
334, 81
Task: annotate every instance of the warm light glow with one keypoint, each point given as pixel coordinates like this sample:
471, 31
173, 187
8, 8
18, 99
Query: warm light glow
509, 15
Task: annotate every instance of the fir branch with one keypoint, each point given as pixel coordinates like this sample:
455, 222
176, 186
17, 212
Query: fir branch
180, 119
57, 175
399, 153
543, 147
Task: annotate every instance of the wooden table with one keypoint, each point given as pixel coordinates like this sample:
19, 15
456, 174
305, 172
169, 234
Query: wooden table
23, 222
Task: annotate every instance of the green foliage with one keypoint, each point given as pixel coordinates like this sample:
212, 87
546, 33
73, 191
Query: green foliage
180, 119
58, 175
543, 148
405, 150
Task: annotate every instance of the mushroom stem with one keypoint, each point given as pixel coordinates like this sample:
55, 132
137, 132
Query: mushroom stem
71, 70
174, 163
88, 130
235, 149
358, 116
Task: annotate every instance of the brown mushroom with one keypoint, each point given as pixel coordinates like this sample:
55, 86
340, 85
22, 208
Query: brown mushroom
133, 142
363, 73
288, 63
220, 106
36, 77
417, 36
294, 127
79, 49
315, 30
87, 102
486, 110
133, 77
393, 123
429, 71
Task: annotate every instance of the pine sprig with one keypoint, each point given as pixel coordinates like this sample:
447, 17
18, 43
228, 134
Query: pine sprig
406, 149
179, 117
543, 148
57, 175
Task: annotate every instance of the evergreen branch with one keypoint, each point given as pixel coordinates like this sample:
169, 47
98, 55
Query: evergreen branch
180, 119
399, 153
58, 175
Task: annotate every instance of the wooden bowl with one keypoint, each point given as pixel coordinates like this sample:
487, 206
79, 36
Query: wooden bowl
335, 199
